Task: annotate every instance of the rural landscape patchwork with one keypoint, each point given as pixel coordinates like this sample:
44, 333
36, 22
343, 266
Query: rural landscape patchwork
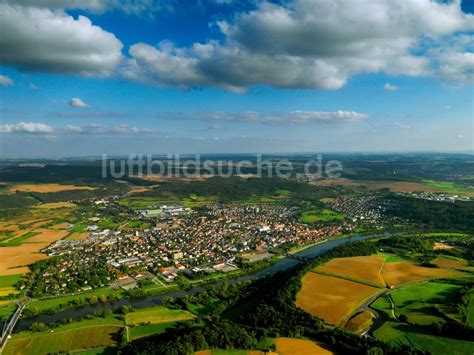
237, 177
366, 262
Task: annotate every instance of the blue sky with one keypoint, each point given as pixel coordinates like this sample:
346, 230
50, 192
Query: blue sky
264, 77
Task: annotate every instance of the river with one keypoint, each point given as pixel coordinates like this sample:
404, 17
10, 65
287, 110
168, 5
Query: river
282, 265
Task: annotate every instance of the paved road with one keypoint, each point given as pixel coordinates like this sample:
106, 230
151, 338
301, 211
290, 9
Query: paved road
10, 324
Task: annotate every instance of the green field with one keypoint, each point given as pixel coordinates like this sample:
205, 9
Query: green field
391, 258
61, 302
203, 310
9, 280
418, 301
324, 215
6, 309
141, 331
470, 313
143, 202
76, 336
283, 192
397, 333
138, 224
449, 187
96, 333
156, 315
14, 241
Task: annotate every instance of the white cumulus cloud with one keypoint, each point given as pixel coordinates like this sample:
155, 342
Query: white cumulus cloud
316, 44
26, 127
390, 87
276, 118
5, 80
39, 39
77, 103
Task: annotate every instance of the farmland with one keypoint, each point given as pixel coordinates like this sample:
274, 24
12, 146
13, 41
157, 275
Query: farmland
288, 346
470, 313
334, 290
17, 253
417, 301
61, 302
25, 235
360, 322
7, 282
402, 186
282, 345
64, 340
156, 315
450, 262
141, 331
364, 268
229, 352
397, 273
45, 188
397, 333
331, 298
96, 332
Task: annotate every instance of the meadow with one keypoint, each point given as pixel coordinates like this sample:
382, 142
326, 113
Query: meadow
470, 313
450, 187
141, 331
61, 302
418, 301
156, 315
323, 215
396, 333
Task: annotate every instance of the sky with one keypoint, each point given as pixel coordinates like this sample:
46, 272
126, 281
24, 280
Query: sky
92, 77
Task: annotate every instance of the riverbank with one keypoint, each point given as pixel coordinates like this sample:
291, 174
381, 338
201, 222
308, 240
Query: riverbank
282, 264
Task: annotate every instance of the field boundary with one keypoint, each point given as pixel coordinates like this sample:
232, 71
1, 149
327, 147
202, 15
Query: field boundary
363, 282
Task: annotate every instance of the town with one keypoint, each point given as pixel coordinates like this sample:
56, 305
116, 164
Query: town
175, 241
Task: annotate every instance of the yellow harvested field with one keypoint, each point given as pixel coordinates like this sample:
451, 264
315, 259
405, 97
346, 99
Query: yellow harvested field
47, 235
442, 246
360, 322
335, 290
397, 273
47, 188
78, 236
17, 264
365, 268
36, 223
291, 346
63, 225
5, 291
55, 205
450, 263
330, 298
14, 259
14, 228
